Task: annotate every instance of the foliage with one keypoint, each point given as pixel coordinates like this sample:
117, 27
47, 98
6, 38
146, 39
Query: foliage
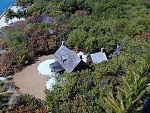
117, 85
76, 38
74, 5
3, 44
10, 14
14, 59
119, 88
24, 2
28, 103
134, 89
13, 37
80, 92
1, 83
38, 7
90, 44
3, 99
62, 31
21, 43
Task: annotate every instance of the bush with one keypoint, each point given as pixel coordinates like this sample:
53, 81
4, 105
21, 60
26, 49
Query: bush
77, 38
28, 103
1, 83
91, 45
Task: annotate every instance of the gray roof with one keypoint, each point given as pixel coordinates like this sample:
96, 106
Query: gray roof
67, 58
98, 57
56, 66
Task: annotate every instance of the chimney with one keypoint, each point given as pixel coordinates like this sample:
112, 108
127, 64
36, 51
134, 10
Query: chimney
102, 50
63, 43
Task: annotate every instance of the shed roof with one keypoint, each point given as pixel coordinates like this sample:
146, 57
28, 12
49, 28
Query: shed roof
67, 58
56, 66
98, 57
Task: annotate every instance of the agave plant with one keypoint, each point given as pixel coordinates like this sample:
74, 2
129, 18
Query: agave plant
129, 97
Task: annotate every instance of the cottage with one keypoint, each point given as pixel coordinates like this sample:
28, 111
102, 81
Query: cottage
97, 57
68, 60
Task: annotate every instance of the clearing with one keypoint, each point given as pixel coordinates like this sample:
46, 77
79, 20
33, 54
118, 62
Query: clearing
30, 81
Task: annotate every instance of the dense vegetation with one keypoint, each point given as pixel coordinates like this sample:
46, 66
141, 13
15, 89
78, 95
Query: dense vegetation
28, 103
117, 85
104, 90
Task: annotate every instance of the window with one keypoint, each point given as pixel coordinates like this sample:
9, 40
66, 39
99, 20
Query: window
64, 58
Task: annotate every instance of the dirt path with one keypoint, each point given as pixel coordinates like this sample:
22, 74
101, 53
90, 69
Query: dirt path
30, 81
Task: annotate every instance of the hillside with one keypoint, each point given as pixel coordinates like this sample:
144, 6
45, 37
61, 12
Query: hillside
117, 85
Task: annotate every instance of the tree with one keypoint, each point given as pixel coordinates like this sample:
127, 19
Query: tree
76, 38
91, 45
19, 14
24, 2
10, 14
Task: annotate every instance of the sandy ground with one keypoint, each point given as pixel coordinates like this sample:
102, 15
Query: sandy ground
30, 81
